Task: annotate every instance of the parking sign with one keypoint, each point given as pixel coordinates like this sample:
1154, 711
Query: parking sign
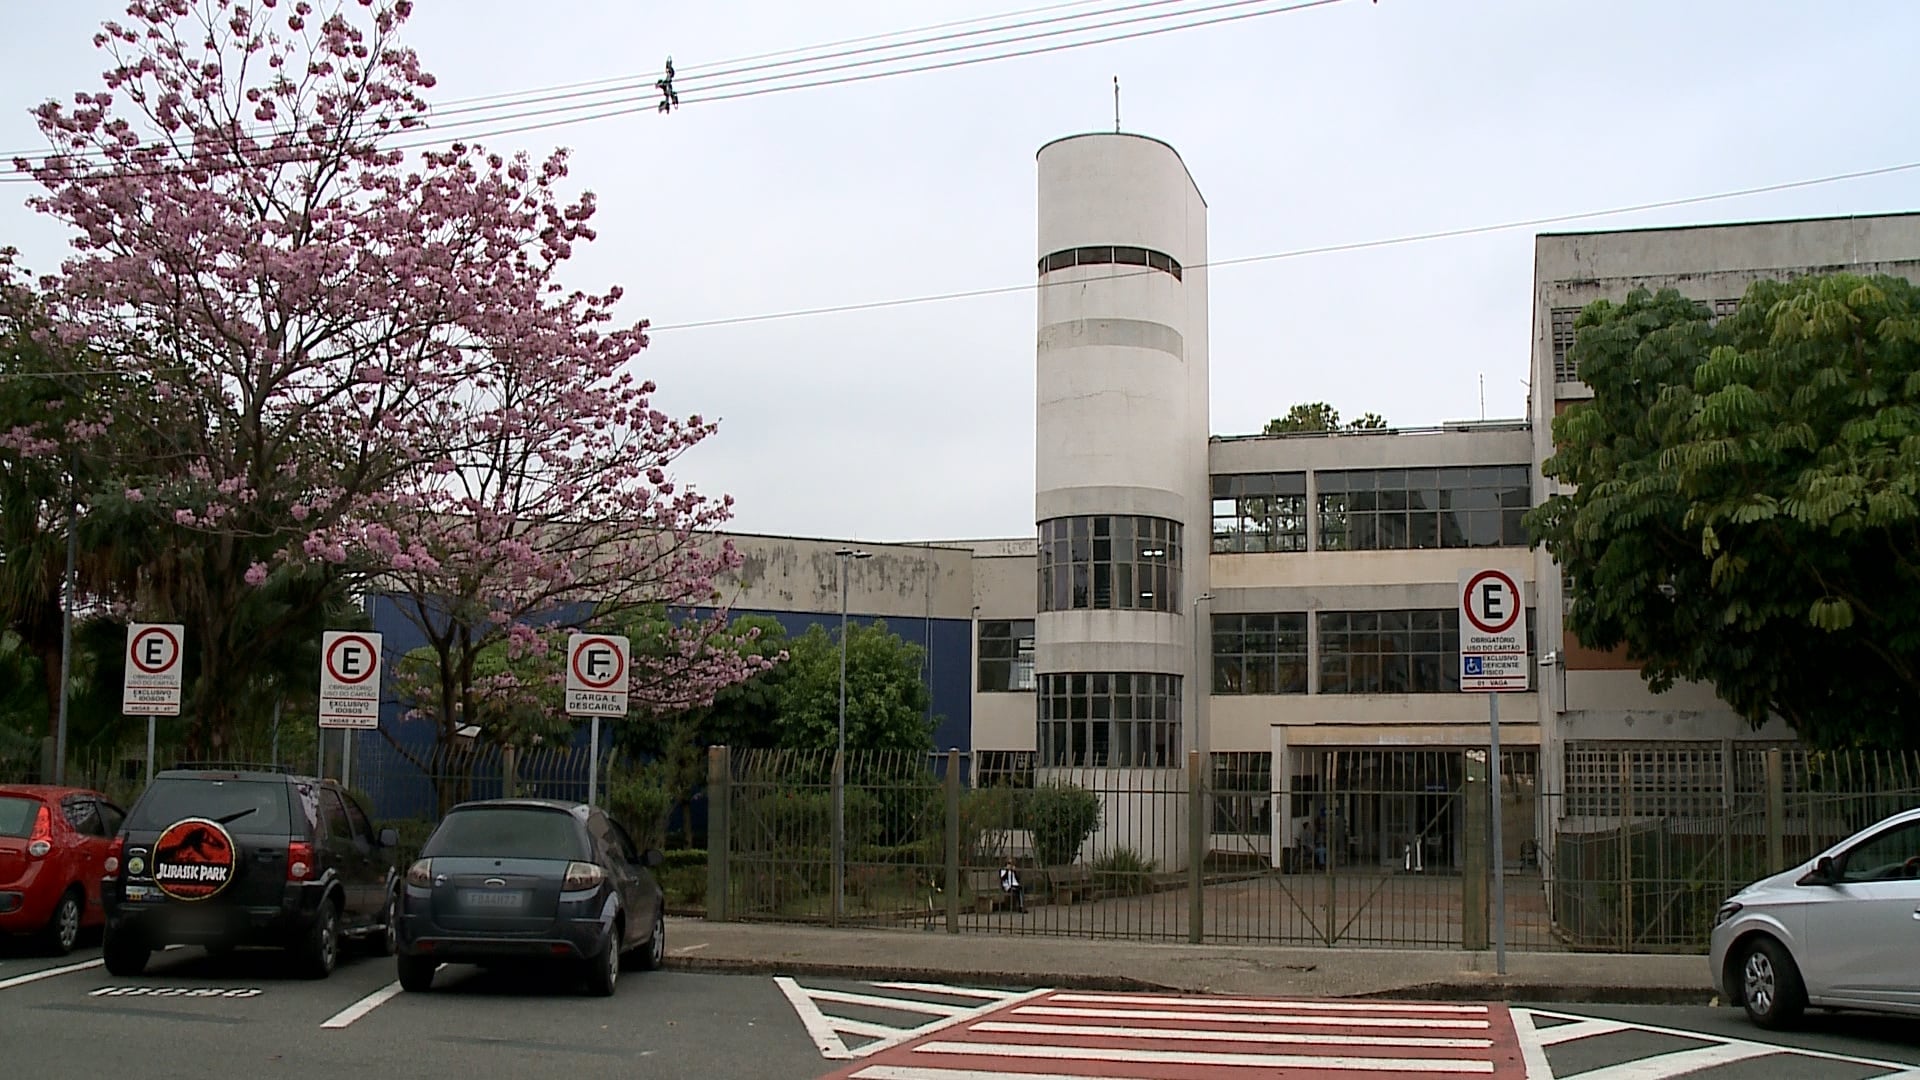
597, 675
151, 686
349, 679
1493, 633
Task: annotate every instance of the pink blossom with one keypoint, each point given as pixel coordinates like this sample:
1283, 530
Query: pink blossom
135, 495
256, 573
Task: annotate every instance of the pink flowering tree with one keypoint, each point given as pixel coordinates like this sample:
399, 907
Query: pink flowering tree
549, 505
342, 338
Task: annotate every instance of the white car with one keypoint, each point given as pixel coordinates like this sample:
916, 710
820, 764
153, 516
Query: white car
1840, 931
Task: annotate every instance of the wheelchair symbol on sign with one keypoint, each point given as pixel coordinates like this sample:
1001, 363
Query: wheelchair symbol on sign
1475, 665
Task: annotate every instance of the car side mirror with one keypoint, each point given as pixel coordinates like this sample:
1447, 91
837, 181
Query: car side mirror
389, 837
1821, 874
652, 858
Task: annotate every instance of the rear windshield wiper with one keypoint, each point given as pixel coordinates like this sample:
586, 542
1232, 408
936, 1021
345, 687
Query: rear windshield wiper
236, 816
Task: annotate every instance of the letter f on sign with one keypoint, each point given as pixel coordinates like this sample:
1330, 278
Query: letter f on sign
599, 661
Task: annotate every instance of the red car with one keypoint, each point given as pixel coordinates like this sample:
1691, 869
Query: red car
53, 853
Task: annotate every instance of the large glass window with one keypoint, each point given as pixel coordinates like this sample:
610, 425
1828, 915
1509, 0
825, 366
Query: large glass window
1006, 654
1110, 562
1394, 652
1260, 512
1116, 720
1260, 654
1242, 790
1390, 652
1398, 509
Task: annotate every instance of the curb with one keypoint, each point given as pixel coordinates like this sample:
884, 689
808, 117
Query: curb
873, 972
1445, 991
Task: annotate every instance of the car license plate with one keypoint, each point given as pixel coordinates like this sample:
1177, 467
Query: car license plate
186, 920
485, 898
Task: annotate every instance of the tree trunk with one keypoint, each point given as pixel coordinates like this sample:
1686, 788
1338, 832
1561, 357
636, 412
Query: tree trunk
49, 656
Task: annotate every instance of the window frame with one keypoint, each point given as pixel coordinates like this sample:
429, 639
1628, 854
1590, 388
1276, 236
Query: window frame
1019, 659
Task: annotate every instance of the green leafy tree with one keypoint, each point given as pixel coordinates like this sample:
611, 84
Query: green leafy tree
1744, 509
887, 700
1062, 816
1318, 416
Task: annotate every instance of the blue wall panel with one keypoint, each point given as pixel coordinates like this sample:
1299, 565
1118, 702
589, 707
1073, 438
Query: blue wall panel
397, 787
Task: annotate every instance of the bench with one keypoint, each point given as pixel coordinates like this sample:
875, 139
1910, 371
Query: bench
988, 896
1068, 884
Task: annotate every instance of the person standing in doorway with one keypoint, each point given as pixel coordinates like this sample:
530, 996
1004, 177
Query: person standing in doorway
1303, 845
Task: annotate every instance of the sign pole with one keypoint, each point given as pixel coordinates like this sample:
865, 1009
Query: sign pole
593, 762
1499, 851
152, 722
346, 761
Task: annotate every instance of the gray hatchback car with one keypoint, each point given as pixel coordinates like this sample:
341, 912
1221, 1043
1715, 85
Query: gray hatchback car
1840, 931
505, 881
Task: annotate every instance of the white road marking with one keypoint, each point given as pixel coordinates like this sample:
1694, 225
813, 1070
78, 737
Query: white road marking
48, 973
685, 949
1268, 1003
827, 1030
1188, 1057
909, 1072
1681, 1062
953, 991
1533, 1041
364, 1006
832, 1047
847, 997
916, 1073
1578, 1029
1270, 1018
1210, 1035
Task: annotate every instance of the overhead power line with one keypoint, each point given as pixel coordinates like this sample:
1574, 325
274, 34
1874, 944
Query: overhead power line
1297, 253
1242, 260
641, 102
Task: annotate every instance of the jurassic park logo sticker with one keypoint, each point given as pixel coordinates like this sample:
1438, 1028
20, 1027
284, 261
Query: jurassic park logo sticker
193, 859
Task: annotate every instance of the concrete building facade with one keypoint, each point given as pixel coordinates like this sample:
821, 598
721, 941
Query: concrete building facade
1284, 604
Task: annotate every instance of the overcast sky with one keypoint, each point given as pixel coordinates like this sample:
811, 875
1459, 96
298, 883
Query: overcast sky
1353, 122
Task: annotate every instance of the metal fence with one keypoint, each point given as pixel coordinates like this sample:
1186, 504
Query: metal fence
1343, 847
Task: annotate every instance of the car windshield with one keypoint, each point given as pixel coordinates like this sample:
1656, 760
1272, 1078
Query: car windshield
245, 806
507, 832
16, 815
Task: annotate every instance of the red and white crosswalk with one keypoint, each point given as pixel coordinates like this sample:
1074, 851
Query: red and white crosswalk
1065, 1035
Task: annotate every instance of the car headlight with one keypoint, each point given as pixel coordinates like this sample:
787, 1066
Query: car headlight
1727, 911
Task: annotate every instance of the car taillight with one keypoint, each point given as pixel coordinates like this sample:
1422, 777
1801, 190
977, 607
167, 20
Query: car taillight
421, 873
41, 841
583, 875
114, 848
299, 861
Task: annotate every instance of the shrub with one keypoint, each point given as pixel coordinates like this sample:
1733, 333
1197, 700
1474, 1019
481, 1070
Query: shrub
684, 858
1062, 816
684, 886
642, 800
987, 815
1122, 872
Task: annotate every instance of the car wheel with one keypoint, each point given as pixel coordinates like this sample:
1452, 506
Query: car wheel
63, 929
416, 973
319, 950
654, 954
124, 952
1770, 985
604, 973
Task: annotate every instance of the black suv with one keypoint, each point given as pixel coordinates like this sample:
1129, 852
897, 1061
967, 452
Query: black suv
221, 858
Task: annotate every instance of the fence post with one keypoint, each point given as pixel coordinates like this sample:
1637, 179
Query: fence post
719, 834
1776, 811
508, 764
1197, 832
1473, 861
953, 841
1727, 812
1626, 851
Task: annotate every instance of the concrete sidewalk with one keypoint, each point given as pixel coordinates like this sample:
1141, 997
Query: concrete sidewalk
1080, 963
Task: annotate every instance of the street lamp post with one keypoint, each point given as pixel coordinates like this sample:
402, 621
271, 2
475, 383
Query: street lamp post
840, 752
66, 624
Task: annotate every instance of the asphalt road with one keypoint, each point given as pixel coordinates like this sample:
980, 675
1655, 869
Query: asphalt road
192, 1015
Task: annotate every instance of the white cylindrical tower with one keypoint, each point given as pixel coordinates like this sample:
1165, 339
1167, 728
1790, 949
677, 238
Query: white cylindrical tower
1121, 487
